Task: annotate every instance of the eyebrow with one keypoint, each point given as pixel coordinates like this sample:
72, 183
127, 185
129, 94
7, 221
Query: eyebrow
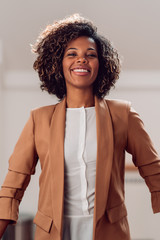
77, 49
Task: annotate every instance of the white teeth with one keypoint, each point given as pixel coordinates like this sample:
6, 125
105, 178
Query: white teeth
80, 70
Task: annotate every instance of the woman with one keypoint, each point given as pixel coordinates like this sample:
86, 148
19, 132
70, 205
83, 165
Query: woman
80, 141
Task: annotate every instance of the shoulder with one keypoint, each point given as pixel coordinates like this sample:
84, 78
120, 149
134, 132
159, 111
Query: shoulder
43, 113
44, 109
119, 111
118, 104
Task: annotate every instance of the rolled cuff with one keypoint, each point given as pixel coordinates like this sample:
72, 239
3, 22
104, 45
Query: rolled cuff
9, 209
150, 169
12, 193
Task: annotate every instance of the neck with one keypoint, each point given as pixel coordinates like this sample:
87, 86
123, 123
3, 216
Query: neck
80, 99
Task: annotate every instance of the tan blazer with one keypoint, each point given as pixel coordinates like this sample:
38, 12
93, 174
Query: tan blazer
119, 128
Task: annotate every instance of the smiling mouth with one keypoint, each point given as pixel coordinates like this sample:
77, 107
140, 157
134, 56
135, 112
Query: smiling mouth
80, 70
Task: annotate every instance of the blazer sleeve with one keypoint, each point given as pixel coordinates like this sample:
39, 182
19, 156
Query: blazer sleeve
144, 156
21, 165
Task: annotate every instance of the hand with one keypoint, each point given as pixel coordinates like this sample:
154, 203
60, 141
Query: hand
3, 226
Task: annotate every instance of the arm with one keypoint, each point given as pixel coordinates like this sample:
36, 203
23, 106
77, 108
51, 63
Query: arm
144, 156
21, 165
3, 226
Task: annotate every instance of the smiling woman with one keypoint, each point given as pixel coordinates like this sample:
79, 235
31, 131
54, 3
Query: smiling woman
80, 142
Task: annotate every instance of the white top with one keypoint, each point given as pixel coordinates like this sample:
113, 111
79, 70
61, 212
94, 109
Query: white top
80, 152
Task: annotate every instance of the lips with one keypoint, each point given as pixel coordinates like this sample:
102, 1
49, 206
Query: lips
80, 69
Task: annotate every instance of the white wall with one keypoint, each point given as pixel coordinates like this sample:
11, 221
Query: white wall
20, 93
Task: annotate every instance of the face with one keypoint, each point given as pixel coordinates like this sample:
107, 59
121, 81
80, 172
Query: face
80, 63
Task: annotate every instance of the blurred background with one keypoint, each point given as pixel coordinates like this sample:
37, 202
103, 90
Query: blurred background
134, 29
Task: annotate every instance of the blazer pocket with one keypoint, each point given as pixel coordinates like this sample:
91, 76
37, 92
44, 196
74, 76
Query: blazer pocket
116, 213
43, 221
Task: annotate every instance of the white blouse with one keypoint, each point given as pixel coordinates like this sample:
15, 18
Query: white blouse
80, 152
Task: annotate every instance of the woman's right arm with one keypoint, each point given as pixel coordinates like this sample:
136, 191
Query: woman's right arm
21, 165
3, 226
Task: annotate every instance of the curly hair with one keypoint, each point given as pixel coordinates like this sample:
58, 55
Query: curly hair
50, 47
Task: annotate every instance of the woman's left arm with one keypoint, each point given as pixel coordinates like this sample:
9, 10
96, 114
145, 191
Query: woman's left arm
144, 156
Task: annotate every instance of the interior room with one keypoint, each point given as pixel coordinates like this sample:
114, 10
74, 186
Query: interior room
133, 28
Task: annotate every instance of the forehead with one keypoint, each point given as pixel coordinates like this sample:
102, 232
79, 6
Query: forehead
81, 42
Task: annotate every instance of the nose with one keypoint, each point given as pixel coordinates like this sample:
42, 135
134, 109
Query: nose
82, 60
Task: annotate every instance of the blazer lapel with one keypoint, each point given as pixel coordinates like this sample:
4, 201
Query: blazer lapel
104, 157
56, 156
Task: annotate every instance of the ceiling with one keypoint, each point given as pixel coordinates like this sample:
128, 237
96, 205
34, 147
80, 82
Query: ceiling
133, 27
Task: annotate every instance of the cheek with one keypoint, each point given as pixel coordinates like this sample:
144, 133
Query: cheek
96, 67
66, 65
64, 68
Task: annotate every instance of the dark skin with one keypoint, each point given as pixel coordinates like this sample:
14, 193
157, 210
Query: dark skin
3, 226
80, 67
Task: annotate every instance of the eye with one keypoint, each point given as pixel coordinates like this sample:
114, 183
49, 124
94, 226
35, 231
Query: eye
71, 54
92, 55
